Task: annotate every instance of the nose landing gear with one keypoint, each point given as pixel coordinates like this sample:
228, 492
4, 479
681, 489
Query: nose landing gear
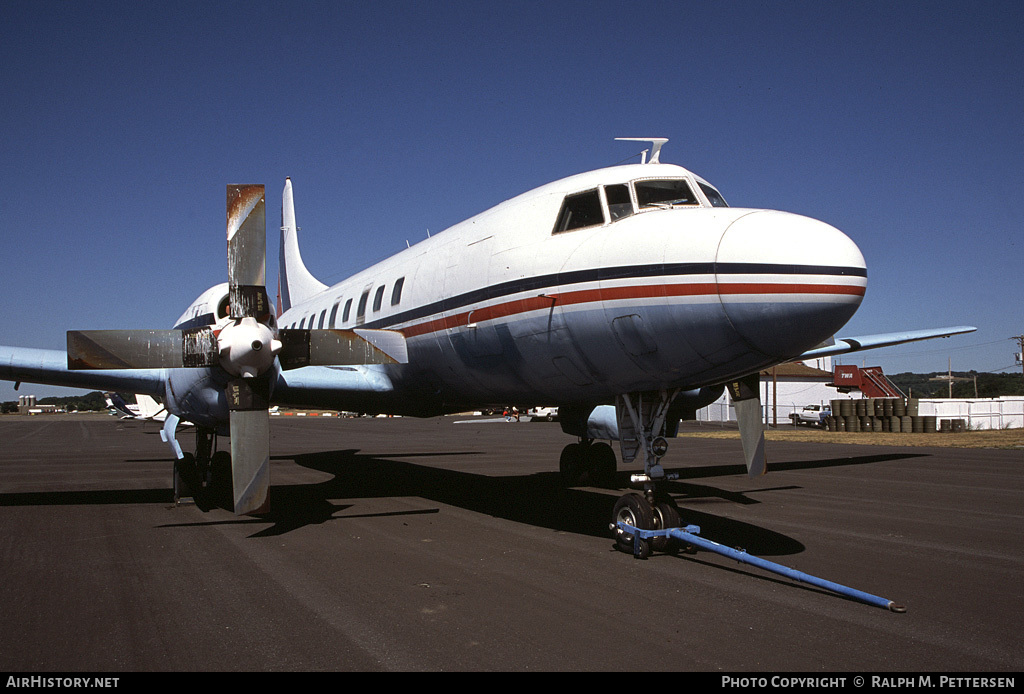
641, 422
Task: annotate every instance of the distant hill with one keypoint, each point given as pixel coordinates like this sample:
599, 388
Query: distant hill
936, 385
90, 402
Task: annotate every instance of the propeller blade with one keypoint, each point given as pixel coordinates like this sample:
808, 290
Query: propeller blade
247, 252
746, 398
242, 345
337, 347
141, 349
390, 342
250, 445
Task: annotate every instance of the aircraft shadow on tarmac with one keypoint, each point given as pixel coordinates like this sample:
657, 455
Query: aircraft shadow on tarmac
538, 499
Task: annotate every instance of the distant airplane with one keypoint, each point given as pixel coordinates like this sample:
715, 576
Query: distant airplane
117, 404
628, 297
147, 408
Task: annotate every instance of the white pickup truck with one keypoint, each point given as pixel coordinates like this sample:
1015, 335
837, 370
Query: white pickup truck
811, 415
547, 414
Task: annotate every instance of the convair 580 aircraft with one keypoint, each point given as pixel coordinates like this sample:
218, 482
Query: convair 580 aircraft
629, 296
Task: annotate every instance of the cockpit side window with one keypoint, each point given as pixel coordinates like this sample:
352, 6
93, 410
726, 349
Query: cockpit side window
619, 203
580, 210
713, 196
664, 193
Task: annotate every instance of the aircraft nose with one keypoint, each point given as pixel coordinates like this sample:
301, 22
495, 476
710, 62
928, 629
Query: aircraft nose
787, 282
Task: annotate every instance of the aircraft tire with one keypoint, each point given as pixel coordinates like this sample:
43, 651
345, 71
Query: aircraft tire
602, 464
636, 511
220, 480
572, 464
185, 468
666, 515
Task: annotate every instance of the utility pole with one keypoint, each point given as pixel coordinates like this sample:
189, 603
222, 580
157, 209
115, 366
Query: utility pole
1020, 344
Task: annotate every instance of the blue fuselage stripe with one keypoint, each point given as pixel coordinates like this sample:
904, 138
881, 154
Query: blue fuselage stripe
563, 279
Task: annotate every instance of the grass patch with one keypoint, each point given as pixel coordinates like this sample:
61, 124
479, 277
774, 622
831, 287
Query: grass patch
997, 438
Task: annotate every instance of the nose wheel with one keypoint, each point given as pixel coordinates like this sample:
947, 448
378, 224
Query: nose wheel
638, 511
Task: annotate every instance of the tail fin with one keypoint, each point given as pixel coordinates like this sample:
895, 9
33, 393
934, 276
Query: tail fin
295, 283
148, 407
116, 402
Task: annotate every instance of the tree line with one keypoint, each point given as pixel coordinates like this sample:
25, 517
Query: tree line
966, 384
90, 402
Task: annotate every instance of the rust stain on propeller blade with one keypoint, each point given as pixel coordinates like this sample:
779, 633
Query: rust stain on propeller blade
247, 240
242, 199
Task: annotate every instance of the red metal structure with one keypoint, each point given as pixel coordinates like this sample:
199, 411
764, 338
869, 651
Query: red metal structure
869, 380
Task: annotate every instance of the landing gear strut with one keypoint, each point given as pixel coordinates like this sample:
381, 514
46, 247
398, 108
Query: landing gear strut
205, 475
641, 421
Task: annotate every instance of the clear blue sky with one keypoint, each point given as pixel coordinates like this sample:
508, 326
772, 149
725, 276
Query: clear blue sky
899, 123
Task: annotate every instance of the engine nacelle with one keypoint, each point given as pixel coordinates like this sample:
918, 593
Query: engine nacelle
197, 395
211, 308
601, 423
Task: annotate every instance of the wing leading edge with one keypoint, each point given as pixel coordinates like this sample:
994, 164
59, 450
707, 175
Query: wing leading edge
50, 367
844, 345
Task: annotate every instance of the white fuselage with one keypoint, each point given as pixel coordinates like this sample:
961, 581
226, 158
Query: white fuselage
504, 307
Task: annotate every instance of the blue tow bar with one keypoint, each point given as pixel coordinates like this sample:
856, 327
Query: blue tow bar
689, 535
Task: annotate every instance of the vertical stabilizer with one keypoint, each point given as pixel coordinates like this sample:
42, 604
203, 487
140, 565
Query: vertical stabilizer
295, 283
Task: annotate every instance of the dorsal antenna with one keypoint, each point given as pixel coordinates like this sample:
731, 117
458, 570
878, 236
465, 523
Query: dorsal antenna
656, 143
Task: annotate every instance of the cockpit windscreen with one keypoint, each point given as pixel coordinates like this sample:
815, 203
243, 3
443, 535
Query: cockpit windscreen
713, 196
664, 193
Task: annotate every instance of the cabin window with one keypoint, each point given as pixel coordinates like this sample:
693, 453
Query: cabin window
323, 315
664, 193
713, 196
378, 298
348, 310
619, 203
396, 293
361, 308
580, 210
334, 314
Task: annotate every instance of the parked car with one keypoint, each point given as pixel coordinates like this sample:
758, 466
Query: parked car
811, 415
547, 414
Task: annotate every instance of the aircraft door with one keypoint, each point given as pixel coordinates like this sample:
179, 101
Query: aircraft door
469, 326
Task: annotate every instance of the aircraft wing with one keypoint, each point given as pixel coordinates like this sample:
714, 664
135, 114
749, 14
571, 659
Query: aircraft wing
343, 387
844, 345
50, 367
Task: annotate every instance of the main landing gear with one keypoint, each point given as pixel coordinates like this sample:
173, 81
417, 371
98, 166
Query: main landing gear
205, 475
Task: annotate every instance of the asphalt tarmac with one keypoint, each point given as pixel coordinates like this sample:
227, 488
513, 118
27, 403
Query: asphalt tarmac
449, 545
